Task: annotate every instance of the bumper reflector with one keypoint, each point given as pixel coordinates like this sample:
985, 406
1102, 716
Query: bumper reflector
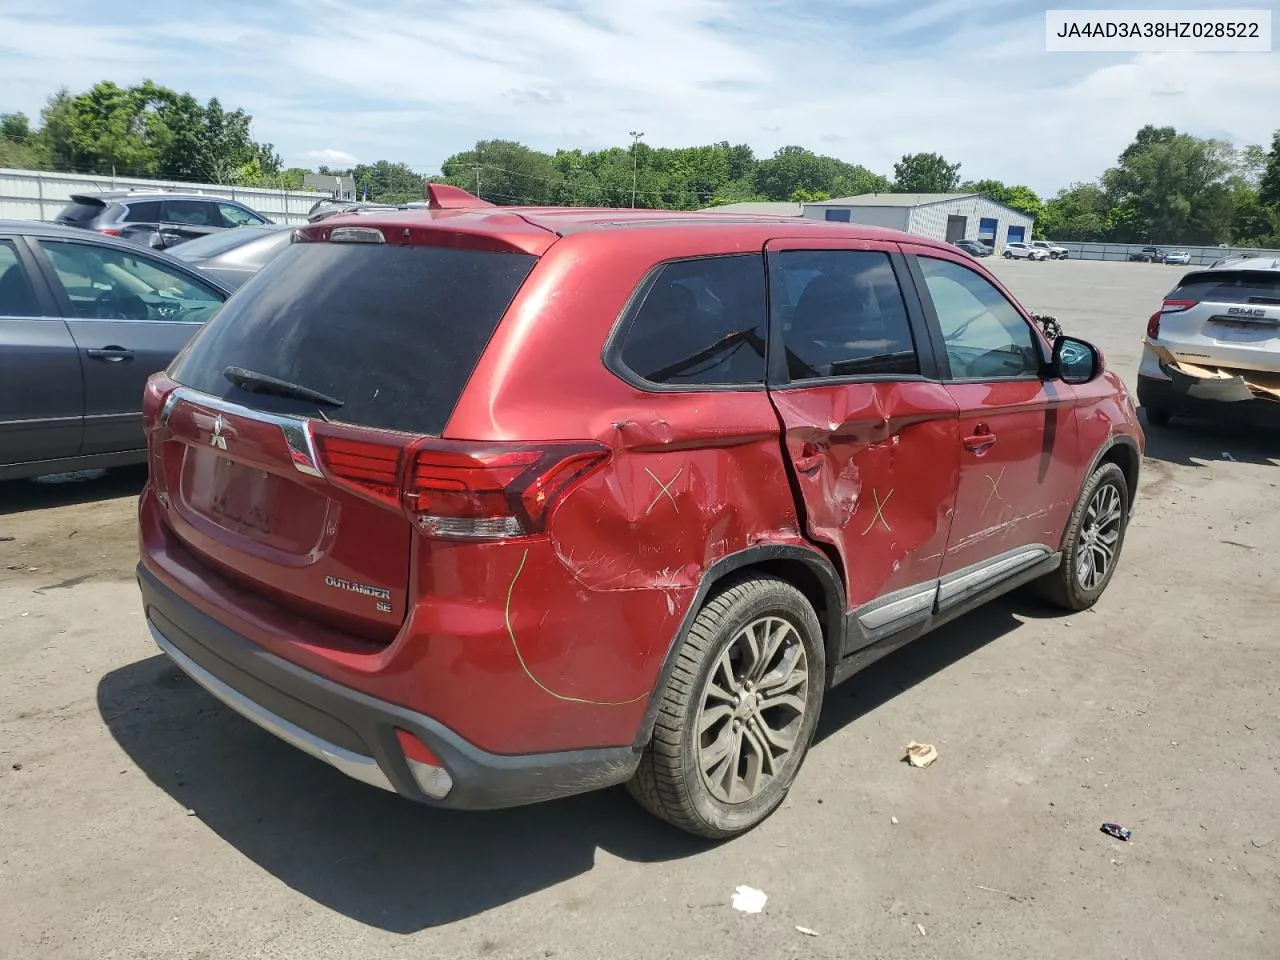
432, 778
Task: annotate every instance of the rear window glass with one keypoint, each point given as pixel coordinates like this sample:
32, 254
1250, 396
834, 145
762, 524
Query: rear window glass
394, 332
1242, 286
77, 213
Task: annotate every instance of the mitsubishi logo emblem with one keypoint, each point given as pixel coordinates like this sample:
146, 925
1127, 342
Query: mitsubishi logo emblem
216, 439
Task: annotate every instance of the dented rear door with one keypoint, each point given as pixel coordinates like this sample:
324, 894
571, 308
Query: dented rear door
870, 433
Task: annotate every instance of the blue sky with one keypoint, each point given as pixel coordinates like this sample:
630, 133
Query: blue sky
864, 80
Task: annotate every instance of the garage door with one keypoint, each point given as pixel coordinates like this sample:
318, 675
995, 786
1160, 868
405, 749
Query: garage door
1016, 234
987, 230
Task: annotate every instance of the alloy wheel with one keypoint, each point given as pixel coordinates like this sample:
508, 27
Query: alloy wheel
1099, 535
753, 709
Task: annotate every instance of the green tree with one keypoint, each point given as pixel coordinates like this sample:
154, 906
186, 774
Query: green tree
1269, 181
1171, 187
19, 146
388, 182
504, 172
925, 173
794, 169
151, 131
1078, 212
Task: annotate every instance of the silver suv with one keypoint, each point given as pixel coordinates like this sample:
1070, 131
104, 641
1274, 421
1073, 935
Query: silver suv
1213, 347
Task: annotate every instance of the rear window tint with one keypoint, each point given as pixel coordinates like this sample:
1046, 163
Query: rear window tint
394, 332
143, 211
79, 213
1243, 286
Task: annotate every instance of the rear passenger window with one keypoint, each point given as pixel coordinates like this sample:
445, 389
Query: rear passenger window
16, 297
842, 315
198, 213
144, 211
699, 323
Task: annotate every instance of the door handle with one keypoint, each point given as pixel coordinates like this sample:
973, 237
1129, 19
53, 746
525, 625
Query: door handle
980, 441
110, 354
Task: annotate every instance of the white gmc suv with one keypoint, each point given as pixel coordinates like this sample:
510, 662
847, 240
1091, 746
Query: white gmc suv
1213, 347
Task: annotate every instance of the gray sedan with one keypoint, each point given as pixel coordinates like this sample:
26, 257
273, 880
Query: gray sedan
233, 256
84, 321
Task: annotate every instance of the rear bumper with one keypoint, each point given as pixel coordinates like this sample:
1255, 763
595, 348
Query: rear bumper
354, 732
1162, 393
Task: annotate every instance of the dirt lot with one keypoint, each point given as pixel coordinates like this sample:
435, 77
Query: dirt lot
139, 819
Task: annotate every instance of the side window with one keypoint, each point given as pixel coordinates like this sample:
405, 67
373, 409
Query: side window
842, 315
144, 211
234, 215
17, 299
199, 213
104, 283
986, 338
699, 323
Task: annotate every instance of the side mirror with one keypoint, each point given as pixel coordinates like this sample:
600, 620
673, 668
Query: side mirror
1075, 360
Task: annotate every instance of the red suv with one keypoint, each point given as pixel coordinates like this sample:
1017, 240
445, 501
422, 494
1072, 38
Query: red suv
486, 506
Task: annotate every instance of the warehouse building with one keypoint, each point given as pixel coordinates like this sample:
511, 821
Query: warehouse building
943, 216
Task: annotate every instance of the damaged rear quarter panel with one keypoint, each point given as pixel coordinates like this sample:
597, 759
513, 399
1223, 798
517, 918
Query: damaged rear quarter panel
693, 477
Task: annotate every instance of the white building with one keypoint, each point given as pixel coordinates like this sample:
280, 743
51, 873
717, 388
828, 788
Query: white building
943, 216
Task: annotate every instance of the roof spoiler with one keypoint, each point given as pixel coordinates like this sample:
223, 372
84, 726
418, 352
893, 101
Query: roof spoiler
442, 196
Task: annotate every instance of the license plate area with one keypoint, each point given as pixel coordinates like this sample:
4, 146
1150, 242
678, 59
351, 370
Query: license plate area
243, 497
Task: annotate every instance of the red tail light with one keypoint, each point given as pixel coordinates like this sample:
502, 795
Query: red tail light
493, 490
1169, 306
157, 391
456, 489
363, 466
110, 231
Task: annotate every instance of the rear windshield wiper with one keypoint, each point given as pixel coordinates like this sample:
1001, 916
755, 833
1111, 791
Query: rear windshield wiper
261, 383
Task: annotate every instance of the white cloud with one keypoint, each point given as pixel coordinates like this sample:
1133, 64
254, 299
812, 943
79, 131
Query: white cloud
339, 158
417, 80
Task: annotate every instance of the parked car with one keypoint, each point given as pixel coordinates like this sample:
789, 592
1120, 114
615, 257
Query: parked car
233, 256
328, 207
975, 248
158, 220
1024, 251
485, 507
1055, 252
1232, 258
1177, 257
1213, 347
84, 321
1148, 255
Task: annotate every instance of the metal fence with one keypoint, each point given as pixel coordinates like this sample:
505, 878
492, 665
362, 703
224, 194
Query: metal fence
1200, 256
39, 194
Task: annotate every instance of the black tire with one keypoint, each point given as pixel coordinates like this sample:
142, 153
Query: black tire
1063, 587
669, 782
1008, 255
1157, 416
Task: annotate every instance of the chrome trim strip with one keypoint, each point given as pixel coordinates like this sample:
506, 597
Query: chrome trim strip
883, 614
296, 430
355, 765
963, 582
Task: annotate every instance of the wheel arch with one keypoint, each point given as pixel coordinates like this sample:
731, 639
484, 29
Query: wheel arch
1123, 452
805, 568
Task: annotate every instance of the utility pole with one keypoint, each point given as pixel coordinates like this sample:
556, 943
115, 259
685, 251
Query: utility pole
635, 163
477, 180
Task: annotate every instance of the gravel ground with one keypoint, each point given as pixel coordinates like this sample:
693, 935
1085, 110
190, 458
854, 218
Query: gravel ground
139, 818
